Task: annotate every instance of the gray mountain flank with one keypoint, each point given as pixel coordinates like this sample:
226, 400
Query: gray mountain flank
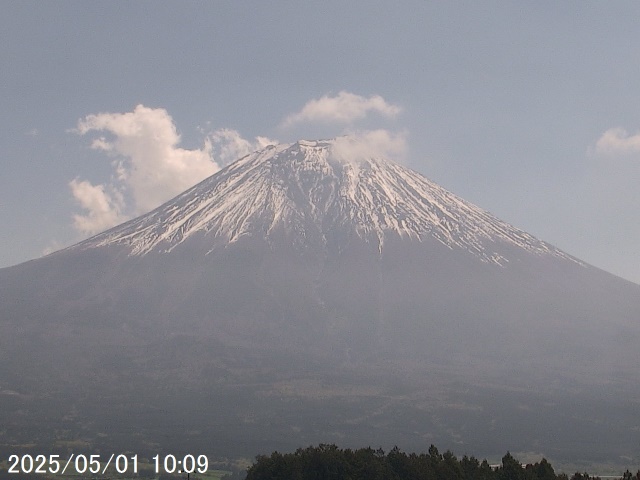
309, 293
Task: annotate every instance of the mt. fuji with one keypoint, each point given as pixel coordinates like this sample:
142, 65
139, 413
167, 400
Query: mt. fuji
314, 292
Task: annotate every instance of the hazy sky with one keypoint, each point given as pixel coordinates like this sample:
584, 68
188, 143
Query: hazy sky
527, 109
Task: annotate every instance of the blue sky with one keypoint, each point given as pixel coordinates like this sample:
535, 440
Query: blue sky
527, 109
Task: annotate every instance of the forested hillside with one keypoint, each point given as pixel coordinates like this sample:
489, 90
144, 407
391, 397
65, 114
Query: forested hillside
328, 462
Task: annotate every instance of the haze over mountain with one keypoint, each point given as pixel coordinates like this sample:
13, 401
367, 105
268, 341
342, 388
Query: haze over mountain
314, 292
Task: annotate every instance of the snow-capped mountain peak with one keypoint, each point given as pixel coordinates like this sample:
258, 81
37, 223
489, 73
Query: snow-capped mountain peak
315, 192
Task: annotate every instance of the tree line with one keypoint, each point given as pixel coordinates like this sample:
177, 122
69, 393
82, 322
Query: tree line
328, 462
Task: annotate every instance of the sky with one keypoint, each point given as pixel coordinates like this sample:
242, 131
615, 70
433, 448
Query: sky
529, 110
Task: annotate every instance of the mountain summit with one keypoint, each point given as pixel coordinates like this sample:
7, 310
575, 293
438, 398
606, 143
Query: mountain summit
315, 194
315, 293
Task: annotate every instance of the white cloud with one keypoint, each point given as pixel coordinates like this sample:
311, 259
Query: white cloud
104, 208
149, 166
370, 143
344, 108
228, 145
617, 141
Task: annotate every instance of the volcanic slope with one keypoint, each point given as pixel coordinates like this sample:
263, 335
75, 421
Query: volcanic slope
313, 293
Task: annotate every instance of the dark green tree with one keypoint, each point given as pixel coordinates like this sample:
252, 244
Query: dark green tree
511, 468
542, 470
